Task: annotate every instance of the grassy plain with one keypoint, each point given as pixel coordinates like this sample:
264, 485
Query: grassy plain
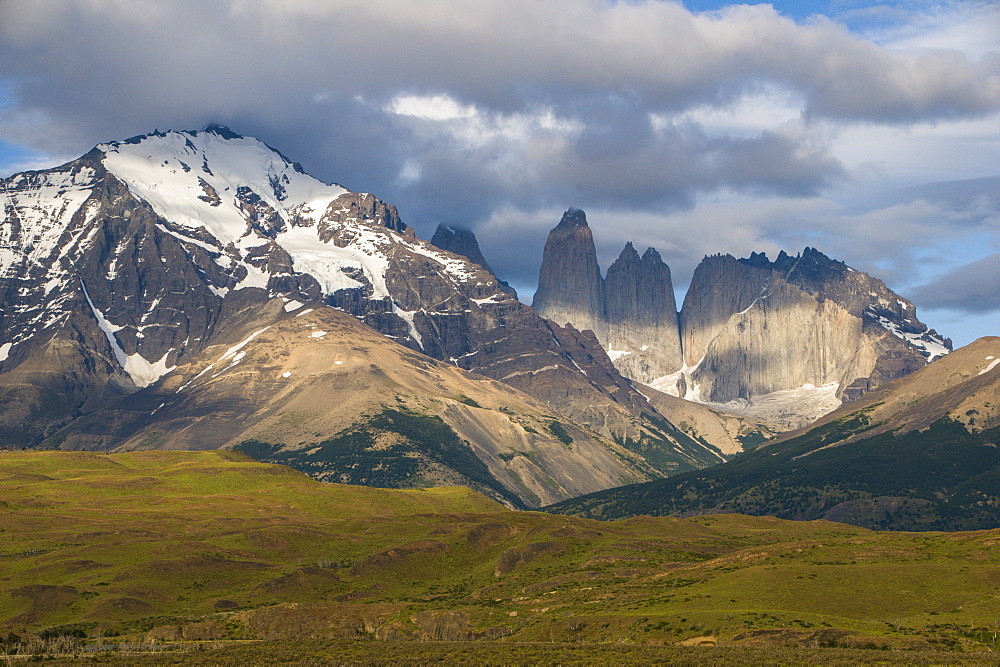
208, 548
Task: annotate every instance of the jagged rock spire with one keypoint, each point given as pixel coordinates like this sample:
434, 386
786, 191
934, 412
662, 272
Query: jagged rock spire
632, 311
462, 241
642, 315
570, 286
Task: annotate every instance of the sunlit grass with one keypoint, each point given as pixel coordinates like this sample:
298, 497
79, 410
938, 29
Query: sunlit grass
126, 542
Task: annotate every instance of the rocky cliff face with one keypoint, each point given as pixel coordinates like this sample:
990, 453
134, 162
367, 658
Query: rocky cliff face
751, 327
641, 315
632, 311
570, 285
461, 241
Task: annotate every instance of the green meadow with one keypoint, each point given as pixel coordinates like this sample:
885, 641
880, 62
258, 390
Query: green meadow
211, 550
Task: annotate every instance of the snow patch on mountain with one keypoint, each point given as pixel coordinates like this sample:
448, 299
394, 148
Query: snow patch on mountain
791, 408
991, 366
142, 372
930, 345
671, 383
407, 316
326, 261
232, 352
457, 269
44, 205
229, 185
159, 168
145, 373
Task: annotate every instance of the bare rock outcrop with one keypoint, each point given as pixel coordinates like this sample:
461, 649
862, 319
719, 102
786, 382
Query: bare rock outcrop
751, 327
750, 330
462, 241
632, 311
570, 285
641, 314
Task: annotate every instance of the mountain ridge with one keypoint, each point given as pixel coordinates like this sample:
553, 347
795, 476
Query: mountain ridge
919, 453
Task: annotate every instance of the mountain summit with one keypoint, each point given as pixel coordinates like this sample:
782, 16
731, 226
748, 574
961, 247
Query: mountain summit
570, 285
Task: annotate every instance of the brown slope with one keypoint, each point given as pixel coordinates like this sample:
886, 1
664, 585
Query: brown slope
919, 453
294, 380
729, 432
963, 385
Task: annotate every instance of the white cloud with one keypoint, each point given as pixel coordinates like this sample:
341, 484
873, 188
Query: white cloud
966, 26
747, 115
430, 107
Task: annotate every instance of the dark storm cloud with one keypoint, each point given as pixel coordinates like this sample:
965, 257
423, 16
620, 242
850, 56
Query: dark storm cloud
972, 288
622, 162
916, 233
104, 67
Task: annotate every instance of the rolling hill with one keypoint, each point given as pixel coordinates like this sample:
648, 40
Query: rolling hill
181, 547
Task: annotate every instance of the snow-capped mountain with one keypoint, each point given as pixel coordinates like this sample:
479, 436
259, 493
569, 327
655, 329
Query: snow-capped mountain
201, 211
121, 266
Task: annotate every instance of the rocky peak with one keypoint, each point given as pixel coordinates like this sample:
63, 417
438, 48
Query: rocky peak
222, 131
628, 255
752, 327
460, 241
570, 285
757, 260
356, 207
651, 256
642, 333
632, 311
573, 217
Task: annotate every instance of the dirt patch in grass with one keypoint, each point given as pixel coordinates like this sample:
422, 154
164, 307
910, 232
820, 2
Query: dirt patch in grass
485, 535
83, 565
398, 555
120, 607
511, 558
43, 600
306, 581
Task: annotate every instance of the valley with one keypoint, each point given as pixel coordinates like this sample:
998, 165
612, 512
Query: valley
919, 453
245, 409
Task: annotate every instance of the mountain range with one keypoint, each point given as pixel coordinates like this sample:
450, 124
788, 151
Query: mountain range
749, 329
124, 267
198, 290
